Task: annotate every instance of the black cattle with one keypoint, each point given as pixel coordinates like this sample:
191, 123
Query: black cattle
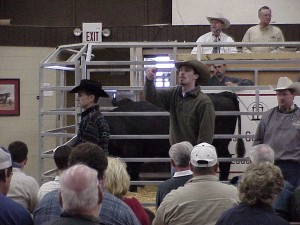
148, 125
226, 101
138, 125
3, 98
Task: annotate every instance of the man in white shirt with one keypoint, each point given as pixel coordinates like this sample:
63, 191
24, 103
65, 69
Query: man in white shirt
61, 156
217, 24
23, 188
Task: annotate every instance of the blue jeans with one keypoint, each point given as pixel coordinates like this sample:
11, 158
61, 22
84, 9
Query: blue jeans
290, 171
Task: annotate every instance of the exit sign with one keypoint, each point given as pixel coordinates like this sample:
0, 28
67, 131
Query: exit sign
92, 32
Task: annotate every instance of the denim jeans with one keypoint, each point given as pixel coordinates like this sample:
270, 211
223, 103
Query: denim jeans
290, 171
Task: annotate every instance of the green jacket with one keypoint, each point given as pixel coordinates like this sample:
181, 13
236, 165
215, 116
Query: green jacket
192, 117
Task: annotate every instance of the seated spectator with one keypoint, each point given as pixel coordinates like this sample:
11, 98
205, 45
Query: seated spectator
113, 210
264, 153
23, 188
11, 212
258, 189
202, 199
117, 182
80, 196
217, 24
263, 32
61, 156
219, 77
180, 155
295, 206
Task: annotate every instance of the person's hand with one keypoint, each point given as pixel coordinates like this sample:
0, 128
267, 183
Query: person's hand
230, 84
150, 73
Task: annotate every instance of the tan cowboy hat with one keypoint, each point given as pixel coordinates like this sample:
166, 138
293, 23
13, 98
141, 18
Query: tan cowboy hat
200, 68
285, 83
219, 16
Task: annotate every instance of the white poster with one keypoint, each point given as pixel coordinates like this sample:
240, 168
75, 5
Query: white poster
194, 12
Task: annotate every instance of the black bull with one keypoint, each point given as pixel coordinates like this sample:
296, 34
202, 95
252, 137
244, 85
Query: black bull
159, 125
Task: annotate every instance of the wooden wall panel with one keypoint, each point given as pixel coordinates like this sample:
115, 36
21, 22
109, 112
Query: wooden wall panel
40, 12
75, 12
53, 36
111, 12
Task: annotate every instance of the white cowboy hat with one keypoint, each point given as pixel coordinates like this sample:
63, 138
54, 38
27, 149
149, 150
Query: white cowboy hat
219, 16
285, 83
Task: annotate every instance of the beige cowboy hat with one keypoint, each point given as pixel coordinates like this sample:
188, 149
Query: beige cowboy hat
285, 83
219, 16
200, 68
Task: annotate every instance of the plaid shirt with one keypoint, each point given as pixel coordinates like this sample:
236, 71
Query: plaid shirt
94, 128
113, 210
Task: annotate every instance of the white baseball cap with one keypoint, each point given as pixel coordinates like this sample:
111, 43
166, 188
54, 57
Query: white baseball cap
204, 155
5, 159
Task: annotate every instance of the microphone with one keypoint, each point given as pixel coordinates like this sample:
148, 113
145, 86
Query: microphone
217, 33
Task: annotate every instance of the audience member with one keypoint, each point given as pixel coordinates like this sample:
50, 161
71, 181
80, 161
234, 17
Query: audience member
11, 212
23, 188
263, 32
202, 199
295, 206
217, 24
264, 153
192, 115
279, 127
180, 155
61, 156
258, 189
113, 210
220, 79
117, 182
80, 196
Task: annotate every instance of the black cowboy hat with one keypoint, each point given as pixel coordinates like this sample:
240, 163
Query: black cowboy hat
200, 68
90, 86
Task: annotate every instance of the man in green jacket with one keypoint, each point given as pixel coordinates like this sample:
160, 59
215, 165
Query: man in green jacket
192, 113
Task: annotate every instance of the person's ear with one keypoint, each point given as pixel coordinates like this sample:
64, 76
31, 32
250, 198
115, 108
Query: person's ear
100, 194
92, 97
173, 163
196, 76
60, 199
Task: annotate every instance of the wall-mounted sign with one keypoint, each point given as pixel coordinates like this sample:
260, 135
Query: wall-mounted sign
92, 32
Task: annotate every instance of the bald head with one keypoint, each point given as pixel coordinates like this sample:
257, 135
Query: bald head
78, 177
79, 189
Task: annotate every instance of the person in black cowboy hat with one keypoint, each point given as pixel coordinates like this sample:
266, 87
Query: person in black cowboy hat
192, 114
93, 126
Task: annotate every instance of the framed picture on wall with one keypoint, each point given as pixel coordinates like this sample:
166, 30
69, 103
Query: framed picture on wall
9, 97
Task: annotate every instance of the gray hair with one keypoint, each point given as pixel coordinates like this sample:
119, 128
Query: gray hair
261, 153
79, 188
180, 153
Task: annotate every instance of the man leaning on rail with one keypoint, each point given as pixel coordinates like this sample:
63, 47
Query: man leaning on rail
263, 32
